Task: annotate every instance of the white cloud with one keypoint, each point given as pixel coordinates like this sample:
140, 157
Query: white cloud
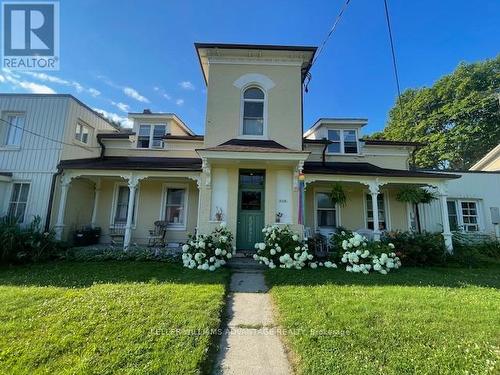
93, 92
125, 122
121, 106
186, 85
32, 87
132, 93
2, 79
162, 93
179, 102
77, 86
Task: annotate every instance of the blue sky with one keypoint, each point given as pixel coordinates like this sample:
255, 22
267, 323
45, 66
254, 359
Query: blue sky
122, 56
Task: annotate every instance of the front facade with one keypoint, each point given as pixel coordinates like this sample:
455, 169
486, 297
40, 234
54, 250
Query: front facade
253, 166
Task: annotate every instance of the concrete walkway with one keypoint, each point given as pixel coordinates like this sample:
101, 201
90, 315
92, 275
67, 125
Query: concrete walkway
250, 344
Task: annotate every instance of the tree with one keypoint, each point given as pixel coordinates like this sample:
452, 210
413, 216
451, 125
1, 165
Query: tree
457, 119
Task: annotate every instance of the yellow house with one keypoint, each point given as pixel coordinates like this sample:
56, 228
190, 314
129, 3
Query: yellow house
254, 166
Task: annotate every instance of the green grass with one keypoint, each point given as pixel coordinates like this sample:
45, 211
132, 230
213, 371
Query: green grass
411, 321
108, 317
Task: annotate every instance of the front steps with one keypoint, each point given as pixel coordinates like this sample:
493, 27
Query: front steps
242, 262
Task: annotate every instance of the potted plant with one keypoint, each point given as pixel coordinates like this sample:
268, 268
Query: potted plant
219, 215
279, 215
338, 195
415, 195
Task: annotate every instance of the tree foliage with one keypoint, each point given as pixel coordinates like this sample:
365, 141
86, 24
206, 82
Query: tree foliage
458, 118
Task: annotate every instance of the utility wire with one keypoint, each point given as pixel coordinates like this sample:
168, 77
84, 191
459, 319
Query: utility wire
335, 23
43, 136
394, 65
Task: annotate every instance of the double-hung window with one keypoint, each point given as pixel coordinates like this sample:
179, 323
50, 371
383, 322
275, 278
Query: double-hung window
15, 129
253, 111
326, 213
121, 205
463, 215
382, 223
151, 136
176, 207
82, 132
343, 141
18, 201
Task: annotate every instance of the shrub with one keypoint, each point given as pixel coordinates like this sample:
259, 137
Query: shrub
283, 248
336, 241
363, 256
418, 249
208, 252
29, 244
86, 254
475, 255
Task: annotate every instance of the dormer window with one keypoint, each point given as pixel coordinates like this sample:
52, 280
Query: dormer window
344, 141
151, 136
253, 111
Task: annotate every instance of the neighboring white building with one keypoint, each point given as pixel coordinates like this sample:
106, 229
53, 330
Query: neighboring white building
36, 132
473, 200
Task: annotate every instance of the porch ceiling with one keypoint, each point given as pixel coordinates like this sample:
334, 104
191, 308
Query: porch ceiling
134, 163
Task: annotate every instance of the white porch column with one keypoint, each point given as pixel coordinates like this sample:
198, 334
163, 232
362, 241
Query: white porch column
132, 186
374, 191
59, 227
97, 195
448, 242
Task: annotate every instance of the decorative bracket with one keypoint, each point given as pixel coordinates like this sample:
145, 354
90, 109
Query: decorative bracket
205, 167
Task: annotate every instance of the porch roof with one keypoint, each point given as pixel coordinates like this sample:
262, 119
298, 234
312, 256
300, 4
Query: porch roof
367, 169
250, 145
134, 163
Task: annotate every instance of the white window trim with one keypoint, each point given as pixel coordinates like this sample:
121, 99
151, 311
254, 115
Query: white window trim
264, 112
460, 217
5, 115
163, 205
151, 130
337, 208
342, 149
90, 133
387, 209
116, 187
9, 196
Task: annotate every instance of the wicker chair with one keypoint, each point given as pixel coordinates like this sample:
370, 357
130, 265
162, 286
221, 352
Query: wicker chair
157, 235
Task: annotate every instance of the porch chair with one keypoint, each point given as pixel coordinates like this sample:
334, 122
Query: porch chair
117, 233
318, 244
157, 235
368, 233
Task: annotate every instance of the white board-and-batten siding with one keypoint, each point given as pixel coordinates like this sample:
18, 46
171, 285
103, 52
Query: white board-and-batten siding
49, 128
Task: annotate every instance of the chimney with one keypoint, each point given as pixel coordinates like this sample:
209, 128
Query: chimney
146, 111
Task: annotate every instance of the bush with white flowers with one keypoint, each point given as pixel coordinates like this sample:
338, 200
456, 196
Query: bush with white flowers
361, 256
284, 248
208, 252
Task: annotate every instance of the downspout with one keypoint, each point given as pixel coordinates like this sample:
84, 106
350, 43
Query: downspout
51, 198
103, 147
323, 159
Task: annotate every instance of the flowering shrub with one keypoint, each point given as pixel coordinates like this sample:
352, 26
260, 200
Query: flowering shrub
283, 248
363, 256
208, 252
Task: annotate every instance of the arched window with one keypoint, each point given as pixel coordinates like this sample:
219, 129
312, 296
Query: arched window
253, 111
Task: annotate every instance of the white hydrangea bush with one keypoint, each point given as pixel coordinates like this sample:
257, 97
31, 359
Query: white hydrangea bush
208, 252
361, 256
284, 248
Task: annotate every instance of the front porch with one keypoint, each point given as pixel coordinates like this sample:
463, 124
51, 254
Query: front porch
101, 199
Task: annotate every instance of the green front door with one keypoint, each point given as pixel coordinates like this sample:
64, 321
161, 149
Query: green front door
250, 209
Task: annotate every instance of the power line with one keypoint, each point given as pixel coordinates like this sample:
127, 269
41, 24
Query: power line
335, 23
44, 136
394, 65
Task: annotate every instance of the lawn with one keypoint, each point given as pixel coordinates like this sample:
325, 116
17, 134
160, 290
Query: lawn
108, 317
424, 321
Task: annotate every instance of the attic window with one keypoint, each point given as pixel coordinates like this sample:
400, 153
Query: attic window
151, 136
344, 141
253, 111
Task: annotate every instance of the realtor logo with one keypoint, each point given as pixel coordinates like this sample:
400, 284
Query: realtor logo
30, 35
